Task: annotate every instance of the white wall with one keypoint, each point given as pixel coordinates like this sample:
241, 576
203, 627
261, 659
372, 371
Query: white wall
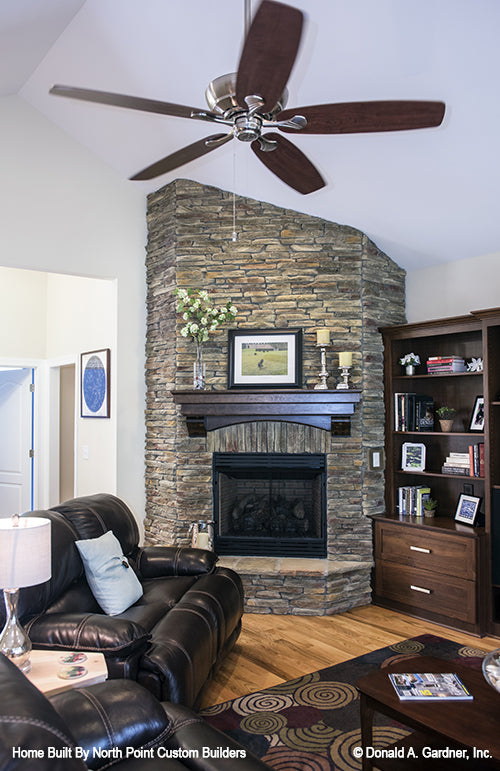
454, 288
63, 211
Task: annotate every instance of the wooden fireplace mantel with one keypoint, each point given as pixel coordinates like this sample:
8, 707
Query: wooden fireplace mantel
207, 410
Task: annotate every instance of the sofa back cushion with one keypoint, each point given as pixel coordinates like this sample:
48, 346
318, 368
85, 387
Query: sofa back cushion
93, 515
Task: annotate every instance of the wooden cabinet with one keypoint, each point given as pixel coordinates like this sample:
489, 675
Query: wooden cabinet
429, 570
454, 567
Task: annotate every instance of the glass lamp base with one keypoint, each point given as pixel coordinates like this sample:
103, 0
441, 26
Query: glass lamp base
14, 642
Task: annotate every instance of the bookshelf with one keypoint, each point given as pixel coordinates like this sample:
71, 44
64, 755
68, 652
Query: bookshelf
402, 553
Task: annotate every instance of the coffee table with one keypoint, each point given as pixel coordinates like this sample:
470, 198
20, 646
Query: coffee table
472, 726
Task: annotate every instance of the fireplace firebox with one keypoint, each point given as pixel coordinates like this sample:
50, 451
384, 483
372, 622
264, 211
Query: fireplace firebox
270, 504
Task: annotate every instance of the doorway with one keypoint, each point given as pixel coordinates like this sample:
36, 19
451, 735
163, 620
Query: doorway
66, 432
16, 439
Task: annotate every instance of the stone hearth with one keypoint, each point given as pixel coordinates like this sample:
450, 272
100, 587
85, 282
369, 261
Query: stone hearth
285, 270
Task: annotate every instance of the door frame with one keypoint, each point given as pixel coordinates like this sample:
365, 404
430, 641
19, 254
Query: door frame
46, 397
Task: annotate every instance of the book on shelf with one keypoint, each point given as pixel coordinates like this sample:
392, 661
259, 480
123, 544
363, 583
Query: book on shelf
413, 412
437, 364
476, 459
411, 500
456, 470
470, 463
428, 686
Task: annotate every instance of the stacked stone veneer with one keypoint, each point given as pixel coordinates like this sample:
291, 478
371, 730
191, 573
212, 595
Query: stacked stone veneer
286, 269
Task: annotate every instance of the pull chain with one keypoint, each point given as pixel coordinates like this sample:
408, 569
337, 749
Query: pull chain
235, 237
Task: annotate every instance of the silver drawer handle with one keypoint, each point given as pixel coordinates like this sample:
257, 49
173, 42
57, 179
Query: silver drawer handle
420, 589
419, 548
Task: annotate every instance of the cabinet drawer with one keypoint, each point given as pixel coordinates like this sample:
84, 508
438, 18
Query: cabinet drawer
422, 590
442, 553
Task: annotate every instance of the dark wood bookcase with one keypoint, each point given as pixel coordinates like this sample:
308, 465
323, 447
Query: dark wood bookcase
424, 565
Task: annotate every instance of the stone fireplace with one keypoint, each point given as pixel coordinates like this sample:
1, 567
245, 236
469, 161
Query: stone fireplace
285, 270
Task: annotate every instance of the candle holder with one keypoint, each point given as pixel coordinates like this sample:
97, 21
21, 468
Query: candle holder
345, 378
323, 375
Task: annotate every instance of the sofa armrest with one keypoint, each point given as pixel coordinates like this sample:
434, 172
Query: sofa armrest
87, 632
158, 561
117, 716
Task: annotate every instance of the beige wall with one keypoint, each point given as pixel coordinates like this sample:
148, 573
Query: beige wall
81, 316
55, 318
23, 307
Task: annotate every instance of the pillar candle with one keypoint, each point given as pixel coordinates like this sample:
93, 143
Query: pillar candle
345, 359
323, 337
202, 541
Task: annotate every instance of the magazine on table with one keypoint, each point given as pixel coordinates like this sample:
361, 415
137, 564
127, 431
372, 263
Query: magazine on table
412, 686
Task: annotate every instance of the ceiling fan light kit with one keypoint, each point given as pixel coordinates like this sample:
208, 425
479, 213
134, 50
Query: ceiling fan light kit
251, 104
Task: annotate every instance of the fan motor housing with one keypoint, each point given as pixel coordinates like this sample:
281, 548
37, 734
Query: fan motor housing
221, 98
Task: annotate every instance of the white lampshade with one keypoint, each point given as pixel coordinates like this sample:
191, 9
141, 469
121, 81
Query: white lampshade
25, 554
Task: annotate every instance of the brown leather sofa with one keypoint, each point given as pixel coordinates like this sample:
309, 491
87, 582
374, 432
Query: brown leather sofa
114, 724
171, 639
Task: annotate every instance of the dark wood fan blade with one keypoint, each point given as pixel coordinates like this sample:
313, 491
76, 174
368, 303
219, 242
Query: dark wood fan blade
269, 53
358, 117
122, 100
289, 164
179, 158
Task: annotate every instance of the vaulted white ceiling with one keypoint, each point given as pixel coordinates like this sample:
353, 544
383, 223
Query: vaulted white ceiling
425, 197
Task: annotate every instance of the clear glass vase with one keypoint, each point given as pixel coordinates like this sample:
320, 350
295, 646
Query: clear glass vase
199, 369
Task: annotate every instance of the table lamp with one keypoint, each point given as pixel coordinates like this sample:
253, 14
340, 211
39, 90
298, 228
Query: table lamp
25, 560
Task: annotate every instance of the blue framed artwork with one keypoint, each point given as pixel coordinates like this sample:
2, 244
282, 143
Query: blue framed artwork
94, 380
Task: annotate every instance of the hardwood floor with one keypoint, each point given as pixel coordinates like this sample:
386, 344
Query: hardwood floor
272, 649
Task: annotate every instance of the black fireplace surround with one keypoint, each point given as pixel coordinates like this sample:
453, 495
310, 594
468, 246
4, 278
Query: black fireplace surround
270, 504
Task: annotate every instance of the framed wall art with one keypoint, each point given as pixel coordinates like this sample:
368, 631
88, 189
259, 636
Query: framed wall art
263, 358
94, 384
477, 419
413, 456
467, 508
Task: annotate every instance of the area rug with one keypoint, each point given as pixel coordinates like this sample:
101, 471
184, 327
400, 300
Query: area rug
312, 723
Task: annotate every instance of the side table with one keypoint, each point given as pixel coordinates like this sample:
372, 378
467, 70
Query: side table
45, 666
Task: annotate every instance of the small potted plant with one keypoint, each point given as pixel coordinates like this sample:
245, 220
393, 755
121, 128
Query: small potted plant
446, 417
410, 361
429, 505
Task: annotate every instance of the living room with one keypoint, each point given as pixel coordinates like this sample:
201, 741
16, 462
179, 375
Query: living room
69, 212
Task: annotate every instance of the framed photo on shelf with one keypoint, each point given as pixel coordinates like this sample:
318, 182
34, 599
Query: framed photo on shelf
413, 456
264, 358
467, 508
94, 384
477, 419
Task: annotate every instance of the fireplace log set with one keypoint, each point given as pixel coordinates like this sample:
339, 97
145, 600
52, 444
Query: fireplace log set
254, 515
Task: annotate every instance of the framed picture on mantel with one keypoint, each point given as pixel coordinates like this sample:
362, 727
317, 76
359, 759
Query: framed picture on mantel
264, 358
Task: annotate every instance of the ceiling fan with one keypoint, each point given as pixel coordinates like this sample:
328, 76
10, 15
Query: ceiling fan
251, 103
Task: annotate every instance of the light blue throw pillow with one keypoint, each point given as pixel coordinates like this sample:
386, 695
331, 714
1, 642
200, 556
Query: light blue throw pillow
113, 582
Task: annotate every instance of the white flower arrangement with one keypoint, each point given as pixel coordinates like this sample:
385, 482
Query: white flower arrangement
201, 316
410, 358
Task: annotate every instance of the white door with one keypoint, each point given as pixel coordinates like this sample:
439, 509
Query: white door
16, 421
